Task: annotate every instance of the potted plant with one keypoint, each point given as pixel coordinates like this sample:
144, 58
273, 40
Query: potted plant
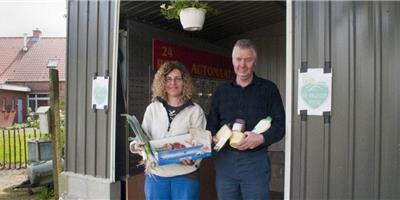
191, 13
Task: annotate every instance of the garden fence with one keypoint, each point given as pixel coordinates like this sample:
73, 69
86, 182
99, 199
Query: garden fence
14, 147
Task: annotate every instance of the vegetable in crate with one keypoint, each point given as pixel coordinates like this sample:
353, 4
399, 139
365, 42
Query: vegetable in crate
141, 137
173, 146
178, 145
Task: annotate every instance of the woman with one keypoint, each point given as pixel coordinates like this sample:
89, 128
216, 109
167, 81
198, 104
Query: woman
172, 113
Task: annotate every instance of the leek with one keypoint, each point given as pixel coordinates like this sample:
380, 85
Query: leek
141, 137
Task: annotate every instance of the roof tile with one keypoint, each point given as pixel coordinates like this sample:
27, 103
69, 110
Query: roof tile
17, 66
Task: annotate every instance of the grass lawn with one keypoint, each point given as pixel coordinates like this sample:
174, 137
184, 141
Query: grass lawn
13, 144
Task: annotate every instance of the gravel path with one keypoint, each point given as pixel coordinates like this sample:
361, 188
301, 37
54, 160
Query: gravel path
10, 178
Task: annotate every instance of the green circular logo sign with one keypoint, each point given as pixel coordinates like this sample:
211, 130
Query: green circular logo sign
100, 94
315, 94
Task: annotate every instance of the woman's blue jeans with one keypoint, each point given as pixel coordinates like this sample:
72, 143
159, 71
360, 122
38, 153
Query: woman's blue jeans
171, 188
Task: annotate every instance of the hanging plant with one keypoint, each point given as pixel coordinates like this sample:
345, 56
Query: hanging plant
172, 10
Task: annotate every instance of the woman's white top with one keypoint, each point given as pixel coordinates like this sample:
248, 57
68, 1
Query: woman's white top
156, 125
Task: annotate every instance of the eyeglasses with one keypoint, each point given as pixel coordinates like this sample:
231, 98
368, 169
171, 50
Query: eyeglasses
170, 79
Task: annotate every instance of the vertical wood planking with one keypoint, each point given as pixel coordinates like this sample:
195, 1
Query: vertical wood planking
377, 26
303, 124
351, 113
72, 99
364, 98
103, 65
361, 144
296, 148
390, 51
90, 35
327, 124
81, 90
92, 63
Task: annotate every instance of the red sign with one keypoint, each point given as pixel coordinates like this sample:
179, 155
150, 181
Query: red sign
198, 63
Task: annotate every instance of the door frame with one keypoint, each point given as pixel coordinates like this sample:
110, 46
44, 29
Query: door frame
288, 97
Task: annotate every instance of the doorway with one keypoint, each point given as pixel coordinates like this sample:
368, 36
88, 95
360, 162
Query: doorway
141, 23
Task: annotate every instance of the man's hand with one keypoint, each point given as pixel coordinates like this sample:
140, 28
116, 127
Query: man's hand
251, 141
215, 139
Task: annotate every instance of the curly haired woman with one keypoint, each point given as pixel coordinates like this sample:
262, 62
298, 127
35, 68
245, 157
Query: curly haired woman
172, 113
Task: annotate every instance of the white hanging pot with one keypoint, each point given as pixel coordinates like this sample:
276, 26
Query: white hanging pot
192, 19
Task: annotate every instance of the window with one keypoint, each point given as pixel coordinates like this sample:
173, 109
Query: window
38, 99
3, 105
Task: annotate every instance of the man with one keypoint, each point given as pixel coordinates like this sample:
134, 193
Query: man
244, 173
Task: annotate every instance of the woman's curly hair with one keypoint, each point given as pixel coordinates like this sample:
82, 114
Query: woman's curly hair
159, 82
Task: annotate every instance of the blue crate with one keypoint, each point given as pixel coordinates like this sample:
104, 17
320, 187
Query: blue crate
175, 156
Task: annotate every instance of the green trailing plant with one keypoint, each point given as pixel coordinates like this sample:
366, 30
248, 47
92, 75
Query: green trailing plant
172, 10
141, 137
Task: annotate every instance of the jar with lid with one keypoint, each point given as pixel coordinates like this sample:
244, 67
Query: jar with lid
237, 132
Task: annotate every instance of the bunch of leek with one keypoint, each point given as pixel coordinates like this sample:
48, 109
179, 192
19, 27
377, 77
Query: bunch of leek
141, 137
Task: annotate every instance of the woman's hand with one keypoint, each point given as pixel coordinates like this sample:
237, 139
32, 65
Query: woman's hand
136, 147
187, 161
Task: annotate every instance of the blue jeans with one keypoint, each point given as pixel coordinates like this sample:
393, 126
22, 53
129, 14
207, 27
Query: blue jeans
171, 188
242, 175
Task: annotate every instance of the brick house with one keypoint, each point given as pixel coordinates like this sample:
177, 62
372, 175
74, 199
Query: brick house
24, 76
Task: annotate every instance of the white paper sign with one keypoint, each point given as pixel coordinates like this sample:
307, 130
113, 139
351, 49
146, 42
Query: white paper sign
314, 92
100, 92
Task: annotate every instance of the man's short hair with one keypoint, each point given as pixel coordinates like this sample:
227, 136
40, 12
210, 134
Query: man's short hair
246, 44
